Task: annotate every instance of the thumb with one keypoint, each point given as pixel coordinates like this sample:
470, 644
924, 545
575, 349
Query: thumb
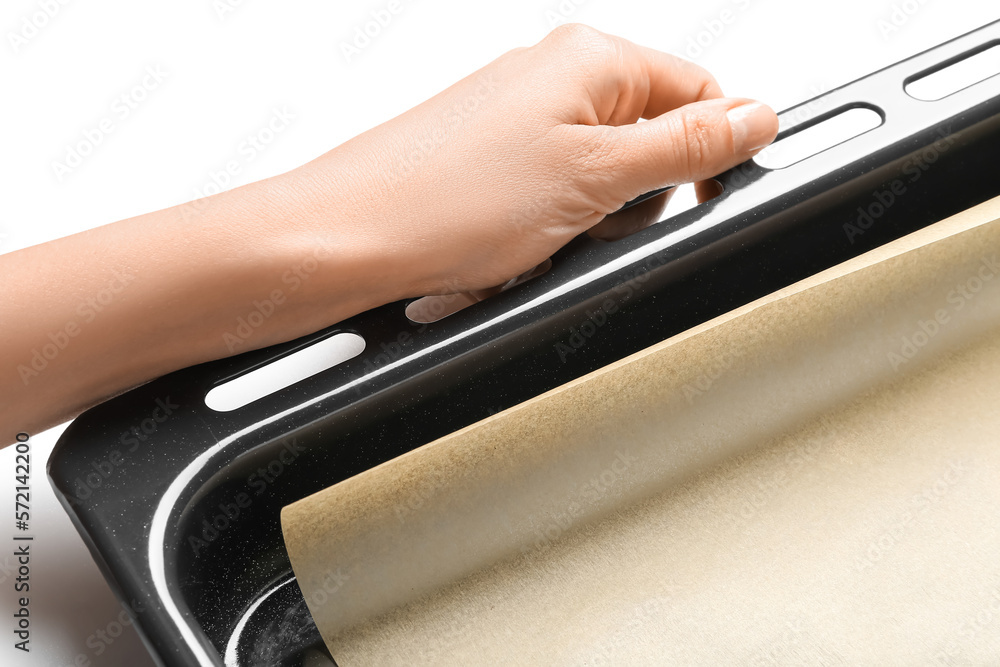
692, 143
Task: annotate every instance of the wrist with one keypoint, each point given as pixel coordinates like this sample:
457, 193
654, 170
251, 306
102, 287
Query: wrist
321, 253
345, 210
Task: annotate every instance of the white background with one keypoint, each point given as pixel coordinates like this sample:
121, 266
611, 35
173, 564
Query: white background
228, 66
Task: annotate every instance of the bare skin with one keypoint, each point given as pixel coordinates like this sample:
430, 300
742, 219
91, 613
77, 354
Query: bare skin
473, 187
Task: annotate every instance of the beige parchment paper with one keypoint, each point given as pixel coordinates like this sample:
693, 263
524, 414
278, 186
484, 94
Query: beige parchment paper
813, 478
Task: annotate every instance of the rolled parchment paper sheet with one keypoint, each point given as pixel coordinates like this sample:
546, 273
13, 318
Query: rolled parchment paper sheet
809, 479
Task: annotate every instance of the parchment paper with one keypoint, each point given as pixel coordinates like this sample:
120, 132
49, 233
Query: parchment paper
813, 478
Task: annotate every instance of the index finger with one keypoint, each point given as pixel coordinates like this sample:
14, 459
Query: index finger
672, 80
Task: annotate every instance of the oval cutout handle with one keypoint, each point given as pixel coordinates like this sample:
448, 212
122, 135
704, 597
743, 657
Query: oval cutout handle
284, 372
815, 136
958, 74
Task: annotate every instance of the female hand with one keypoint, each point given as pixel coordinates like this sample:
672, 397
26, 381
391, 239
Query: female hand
461, 194
490, 177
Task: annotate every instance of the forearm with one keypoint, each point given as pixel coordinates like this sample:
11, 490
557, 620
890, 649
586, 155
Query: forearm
93, 314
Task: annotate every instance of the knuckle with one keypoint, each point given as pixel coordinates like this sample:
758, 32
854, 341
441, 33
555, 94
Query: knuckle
710, 87
581, 38
691, 140
599, 167
596, 58
574, 32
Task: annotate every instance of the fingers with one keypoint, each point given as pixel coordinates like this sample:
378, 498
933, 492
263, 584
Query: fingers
623, 223
627, 81
673, 81
705, 190
692, 132
433, 308
692, 143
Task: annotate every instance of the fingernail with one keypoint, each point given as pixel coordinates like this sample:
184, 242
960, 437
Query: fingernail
754, 126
